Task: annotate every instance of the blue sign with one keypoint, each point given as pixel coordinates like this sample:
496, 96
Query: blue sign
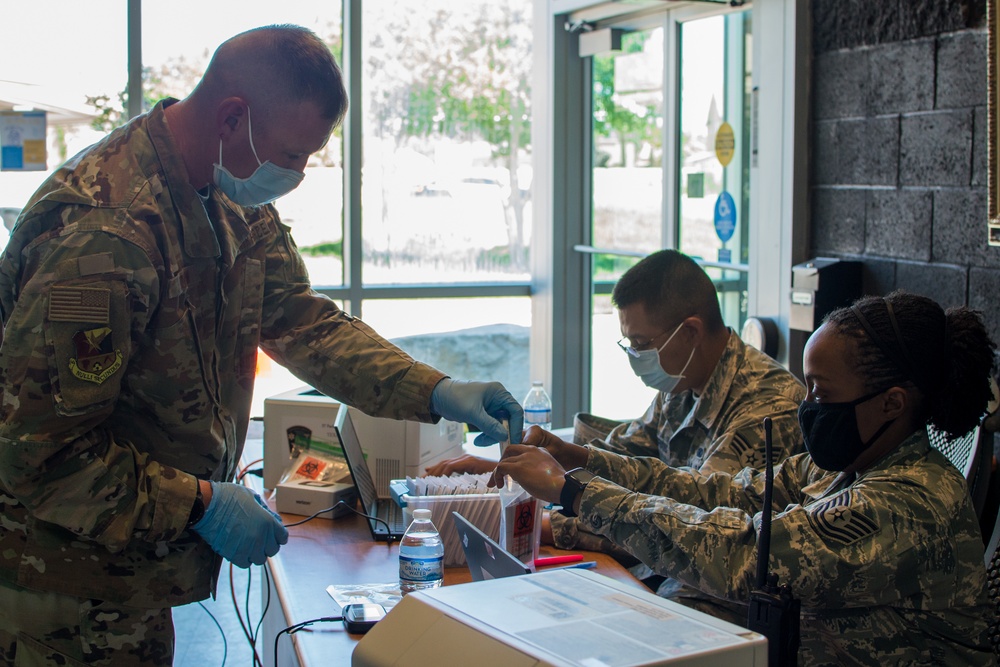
725, 216
725, 255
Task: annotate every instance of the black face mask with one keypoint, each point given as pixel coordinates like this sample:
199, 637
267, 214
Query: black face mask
830, 431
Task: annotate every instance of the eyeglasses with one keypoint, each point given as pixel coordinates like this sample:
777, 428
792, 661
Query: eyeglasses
634, 351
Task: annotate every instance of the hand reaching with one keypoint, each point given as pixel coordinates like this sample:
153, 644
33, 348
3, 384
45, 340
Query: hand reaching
483, 404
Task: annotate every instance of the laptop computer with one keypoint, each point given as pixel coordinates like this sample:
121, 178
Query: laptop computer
385, 509
486, 559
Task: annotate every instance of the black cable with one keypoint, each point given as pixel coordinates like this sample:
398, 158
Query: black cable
225, 644
330, 509
256, 630
267, 596
292, 629
252, 633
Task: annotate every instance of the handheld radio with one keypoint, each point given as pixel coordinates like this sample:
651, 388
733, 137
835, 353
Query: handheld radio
773, 611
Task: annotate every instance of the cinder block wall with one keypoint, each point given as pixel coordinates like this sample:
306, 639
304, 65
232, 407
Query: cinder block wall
898, 147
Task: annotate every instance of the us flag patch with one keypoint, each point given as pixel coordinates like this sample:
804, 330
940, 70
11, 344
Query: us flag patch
79, 304
836, 521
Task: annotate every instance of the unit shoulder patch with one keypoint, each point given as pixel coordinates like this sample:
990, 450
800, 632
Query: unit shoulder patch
95, 360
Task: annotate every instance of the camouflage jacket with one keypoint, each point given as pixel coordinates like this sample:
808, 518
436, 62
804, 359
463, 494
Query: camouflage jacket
719, 430
888, 566
133, 309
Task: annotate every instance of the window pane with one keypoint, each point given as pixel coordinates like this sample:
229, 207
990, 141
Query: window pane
447, 175
616, 393
470, 339
55, 65
628, 146
176, 51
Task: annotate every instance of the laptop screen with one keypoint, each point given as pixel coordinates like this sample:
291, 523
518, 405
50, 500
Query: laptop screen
356, 461
486, 558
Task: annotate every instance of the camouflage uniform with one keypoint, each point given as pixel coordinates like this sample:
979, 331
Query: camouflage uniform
133, 309
718, 431
38, 628
888, 565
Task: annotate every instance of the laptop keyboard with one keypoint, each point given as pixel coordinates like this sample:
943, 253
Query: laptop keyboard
392, 514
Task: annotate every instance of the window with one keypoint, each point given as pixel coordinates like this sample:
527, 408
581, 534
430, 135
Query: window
429, 237
706, 165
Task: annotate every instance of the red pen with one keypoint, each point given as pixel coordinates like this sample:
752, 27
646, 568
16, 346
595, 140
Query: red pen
558, 560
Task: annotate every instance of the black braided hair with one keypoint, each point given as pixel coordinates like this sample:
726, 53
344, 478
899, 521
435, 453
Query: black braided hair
948, 356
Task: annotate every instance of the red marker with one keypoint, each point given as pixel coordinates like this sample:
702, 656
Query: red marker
558, 560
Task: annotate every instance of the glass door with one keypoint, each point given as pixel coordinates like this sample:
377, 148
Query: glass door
627, 201
670, 168
714, 165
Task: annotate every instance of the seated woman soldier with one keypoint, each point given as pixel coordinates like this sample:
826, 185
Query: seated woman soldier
873, 530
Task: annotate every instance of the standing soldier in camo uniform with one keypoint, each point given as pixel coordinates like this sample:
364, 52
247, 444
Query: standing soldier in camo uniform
135, 290
873, 529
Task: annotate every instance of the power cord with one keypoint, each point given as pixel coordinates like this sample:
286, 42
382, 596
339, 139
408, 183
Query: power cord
245, 627
292, 629
330, 509
225, 644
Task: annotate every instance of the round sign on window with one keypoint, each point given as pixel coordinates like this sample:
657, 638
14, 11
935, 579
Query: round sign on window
725, 144
725, 216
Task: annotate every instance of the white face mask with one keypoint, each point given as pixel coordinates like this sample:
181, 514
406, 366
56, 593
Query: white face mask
646, 365
264, 185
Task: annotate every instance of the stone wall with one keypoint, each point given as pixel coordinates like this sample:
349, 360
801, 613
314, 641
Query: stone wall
898, 147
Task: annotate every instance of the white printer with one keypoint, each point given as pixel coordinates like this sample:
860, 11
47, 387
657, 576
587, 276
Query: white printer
561, 618
394, 448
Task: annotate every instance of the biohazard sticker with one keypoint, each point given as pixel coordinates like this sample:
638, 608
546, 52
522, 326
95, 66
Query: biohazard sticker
837, 521
96, 360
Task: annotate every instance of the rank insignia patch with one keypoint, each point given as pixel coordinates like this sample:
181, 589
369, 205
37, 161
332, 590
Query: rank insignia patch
835, 520
752, 456
95, 360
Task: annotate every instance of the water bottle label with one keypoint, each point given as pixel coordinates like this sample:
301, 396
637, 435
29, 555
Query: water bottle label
421, 569
537, 416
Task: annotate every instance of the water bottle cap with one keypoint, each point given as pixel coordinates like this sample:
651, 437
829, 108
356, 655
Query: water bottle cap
536, 383
421, 514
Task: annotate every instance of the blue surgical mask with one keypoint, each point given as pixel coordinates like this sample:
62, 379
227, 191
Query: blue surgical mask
646, 365
263, 186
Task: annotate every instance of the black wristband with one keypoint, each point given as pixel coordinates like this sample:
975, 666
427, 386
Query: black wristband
198, 508
576, 481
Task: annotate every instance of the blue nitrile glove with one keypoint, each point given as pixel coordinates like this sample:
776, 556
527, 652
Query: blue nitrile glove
239, 526
483, 404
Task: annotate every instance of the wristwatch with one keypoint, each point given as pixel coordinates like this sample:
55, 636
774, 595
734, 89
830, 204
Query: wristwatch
198, 508
576, 481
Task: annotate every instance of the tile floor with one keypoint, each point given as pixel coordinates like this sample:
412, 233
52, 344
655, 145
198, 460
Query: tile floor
199, 641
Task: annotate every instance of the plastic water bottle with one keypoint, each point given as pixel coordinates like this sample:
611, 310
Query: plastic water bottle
537, 407
421, 555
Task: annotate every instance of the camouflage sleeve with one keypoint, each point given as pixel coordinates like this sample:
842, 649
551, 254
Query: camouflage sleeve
80, 304
569, 533
845, 550
744, 490
637, 438
331, 350
742, 444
